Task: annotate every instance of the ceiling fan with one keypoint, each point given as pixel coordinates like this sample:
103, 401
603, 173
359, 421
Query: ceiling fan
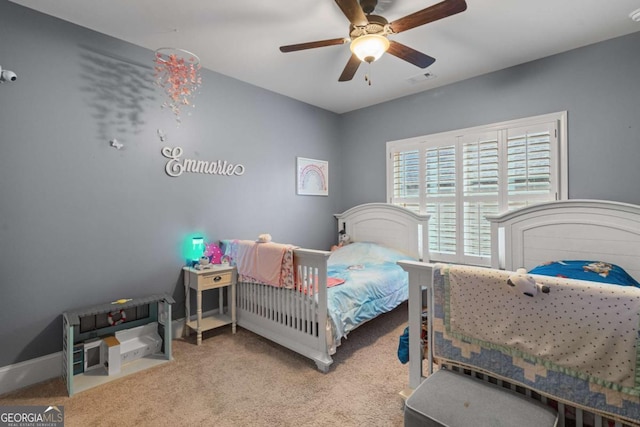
368, 33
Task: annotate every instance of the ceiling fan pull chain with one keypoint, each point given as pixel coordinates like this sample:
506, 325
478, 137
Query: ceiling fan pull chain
367, 77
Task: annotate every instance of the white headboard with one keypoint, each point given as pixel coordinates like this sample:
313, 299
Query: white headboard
570, 229
389, 225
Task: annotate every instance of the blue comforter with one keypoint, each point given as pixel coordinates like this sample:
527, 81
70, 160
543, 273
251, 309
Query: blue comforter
374, 284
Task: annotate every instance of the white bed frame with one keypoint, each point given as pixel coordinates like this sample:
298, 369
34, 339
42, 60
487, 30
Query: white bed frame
294, 319
571, 229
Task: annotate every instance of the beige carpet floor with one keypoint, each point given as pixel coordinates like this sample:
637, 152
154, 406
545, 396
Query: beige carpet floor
245, 380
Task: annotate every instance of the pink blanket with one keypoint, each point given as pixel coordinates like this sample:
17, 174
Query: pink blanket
262, 262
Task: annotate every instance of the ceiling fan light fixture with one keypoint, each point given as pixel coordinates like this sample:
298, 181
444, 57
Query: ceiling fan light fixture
369, 47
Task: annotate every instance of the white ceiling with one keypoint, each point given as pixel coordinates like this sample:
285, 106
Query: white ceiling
240, 38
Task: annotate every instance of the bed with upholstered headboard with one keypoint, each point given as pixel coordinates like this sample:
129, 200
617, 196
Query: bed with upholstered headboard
325, 295
578, 346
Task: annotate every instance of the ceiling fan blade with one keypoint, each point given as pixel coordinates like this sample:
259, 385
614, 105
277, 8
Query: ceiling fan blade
430, 14
353, 12
401, 51
350, 70
312, 45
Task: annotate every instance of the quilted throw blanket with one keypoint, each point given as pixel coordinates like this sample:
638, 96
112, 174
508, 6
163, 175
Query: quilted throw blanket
578, 343
264, 263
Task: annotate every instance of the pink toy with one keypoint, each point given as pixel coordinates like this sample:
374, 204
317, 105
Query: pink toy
214, 252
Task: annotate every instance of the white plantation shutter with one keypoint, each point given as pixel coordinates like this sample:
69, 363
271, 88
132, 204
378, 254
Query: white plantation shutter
460, 177
443, 225
440, 171
406, 175
531, 162
480, 194
477, 232
406, 179
480, 164
440, 186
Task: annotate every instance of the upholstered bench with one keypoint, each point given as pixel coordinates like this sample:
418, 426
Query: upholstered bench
452, 399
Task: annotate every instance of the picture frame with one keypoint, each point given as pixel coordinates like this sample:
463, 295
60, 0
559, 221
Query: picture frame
312, 177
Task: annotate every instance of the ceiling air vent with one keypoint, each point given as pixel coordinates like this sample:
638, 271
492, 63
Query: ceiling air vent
421, 78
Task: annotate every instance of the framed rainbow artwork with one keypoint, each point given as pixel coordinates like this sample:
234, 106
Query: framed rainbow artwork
312, 177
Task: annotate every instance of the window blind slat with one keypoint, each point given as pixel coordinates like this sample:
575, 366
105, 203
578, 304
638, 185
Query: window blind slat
406, 174
461, 177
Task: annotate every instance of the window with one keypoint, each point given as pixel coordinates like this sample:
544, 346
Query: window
460, 177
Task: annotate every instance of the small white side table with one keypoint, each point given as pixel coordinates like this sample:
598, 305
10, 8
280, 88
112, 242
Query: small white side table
216, 277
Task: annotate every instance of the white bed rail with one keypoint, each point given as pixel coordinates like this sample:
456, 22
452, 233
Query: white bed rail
291, 317
421, 281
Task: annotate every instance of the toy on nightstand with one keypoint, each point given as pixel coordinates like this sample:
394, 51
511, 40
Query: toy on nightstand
213, 252
212, 255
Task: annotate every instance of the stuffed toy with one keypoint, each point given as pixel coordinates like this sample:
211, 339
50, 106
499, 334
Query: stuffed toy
343, 240
526, 284
601, 268
213, 253
264, 238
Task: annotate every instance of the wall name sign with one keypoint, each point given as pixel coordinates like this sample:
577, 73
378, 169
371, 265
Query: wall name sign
177, 166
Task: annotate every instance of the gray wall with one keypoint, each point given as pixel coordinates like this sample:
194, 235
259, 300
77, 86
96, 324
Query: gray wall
82, 223
597, 85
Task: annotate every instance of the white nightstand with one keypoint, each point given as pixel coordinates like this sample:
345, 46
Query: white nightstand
216, 277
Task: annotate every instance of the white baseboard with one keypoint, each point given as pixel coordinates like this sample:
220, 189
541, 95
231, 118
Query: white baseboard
23, 374
33, 371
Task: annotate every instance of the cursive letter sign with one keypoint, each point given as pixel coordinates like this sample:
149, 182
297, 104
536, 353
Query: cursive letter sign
175, 167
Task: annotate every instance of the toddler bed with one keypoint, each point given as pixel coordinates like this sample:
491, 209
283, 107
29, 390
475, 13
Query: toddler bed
314, 298
576, 348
